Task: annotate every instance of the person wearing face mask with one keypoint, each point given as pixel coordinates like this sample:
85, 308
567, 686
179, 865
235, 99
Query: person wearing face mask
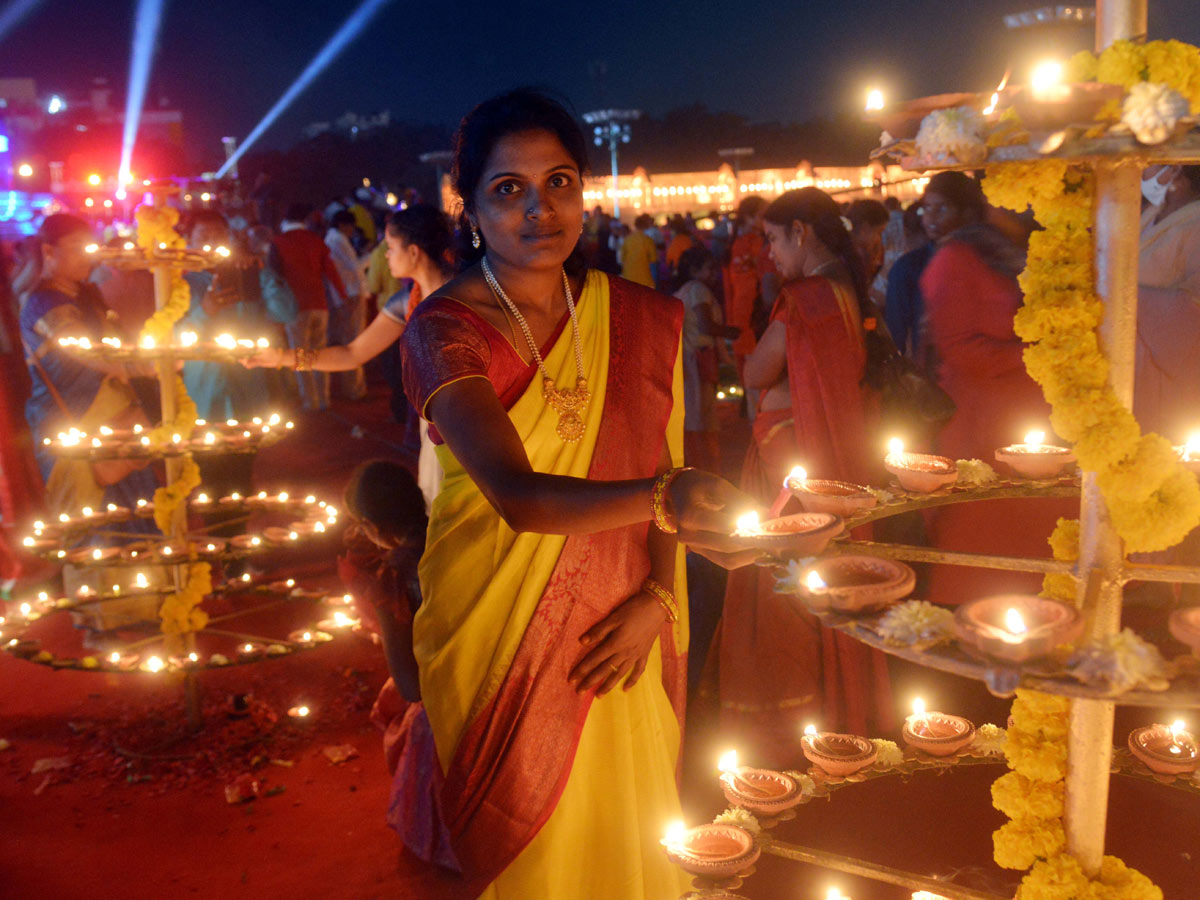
1168, 353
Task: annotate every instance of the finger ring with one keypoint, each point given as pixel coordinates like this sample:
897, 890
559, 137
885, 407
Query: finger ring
614, 668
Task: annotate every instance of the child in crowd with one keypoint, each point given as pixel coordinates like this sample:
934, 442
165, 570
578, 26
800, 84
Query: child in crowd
383, 546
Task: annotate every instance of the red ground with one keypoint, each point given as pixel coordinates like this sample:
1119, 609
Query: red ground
112, 827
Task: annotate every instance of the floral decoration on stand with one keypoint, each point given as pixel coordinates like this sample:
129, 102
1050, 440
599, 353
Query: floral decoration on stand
156, 229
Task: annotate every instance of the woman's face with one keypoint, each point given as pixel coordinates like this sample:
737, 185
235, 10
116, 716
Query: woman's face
529, 202
68, 260
940, 217
402, 257
787, 250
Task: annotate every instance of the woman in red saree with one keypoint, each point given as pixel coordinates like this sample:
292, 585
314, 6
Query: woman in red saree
779, 668
971, 296
555, 399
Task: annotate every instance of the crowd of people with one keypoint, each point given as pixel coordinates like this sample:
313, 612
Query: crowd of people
561, 368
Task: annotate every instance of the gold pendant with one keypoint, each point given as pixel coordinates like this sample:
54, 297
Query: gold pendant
568, 404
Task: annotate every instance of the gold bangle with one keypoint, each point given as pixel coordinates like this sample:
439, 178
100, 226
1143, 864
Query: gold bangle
664, 597
658, 498
305, 357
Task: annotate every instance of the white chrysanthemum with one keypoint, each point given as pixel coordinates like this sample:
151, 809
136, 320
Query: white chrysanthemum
915, 621
742, 818
1152, 110
953, 135
989, 738
975, 471
888, 753
1122, 661
805, 783
880, 495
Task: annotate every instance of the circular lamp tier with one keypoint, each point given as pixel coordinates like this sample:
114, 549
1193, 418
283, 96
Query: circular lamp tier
148, 655
224, 437
47, 538
225, 349
131, 256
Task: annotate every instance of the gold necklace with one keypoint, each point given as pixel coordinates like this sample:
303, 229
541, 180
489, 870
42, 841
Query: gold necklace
568, 403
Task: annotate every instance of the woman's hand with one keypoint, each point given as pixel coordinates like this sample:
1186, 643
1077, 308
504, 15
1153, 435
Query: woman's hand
269, 358
706, 508
619, 645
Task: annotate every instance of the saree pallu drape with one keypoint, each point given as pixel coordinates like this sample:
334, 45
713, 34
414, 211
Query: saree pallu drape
549, 793
779, 667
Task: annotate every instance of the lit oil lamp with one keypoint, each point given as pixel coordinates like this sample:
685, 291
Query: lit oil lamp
837, 754
309, 637
936, 733
251, 650
338, 621
712, 851
1168, 750
301, 714
856, 584
154, 665
758, 790
1017, 627
821, 495
1189, 452
1034, 458
919, 472
125, 662
803, 534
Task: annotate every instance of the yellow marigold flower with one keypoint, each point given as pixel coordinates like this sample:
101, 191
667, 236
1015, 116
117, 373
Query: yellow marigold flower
1082, 67
1118, 881
1064, 540
1021, 798
1058, 878
1020, 843
1123, 63
1036, 757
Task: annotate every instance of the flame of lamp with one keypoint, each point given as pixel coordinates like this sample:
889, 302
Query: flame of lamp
856, 584
984, 623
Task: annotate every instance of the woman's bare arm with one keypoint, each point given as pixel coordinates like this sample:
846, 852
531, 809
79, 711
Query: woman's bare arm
767, 364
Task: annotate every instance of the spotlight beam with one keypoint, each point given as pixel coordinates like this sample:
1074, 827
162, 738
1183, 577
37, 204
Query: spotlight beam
146, 22
350, 30
14, 13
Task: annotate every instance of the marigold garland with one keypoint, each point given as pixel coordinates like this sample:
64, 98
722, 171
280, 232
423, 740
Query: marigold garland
180, 612
156, 228
1152, 499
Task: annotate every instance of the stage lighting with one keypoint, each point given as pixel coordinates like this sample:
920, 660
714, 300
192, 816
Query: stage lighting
25, 170
350, 29
93, 179
56, 105
147, 20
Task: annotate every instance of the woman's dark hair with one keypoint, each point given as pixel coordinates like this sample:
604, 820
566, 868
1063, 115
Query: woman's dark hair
343, 217
962, 192
428, 228
385, 494
867, 213
749, 209
1192, 174
817, 209
691, 261
523, 109
58, 226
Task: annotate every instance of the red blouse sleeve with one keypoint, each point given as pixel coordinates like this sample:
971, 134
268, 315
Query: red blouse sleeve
439, 346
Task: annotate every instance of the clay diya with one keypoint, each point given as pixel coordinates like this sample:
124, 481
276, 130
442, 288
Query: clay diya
276, 534
711, 851
1017, 627
1167, 750
935, 733
1185, 627
245, 541
309, 637
841, 498
919, 472
804, 534
251, 650
758, 790
854, 584
1035, 459
837, 754
93, 554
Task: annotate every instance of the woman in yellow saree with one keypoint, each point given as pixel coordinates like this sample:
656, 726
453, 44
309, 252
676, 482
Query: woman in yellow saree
555, 398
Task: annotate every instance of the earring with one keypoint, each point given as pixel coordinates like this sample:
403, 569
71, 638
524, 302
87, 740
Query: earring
475, 241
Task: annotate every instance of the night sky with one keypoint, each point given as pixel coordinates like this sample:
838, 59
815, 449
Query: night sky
225, 62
